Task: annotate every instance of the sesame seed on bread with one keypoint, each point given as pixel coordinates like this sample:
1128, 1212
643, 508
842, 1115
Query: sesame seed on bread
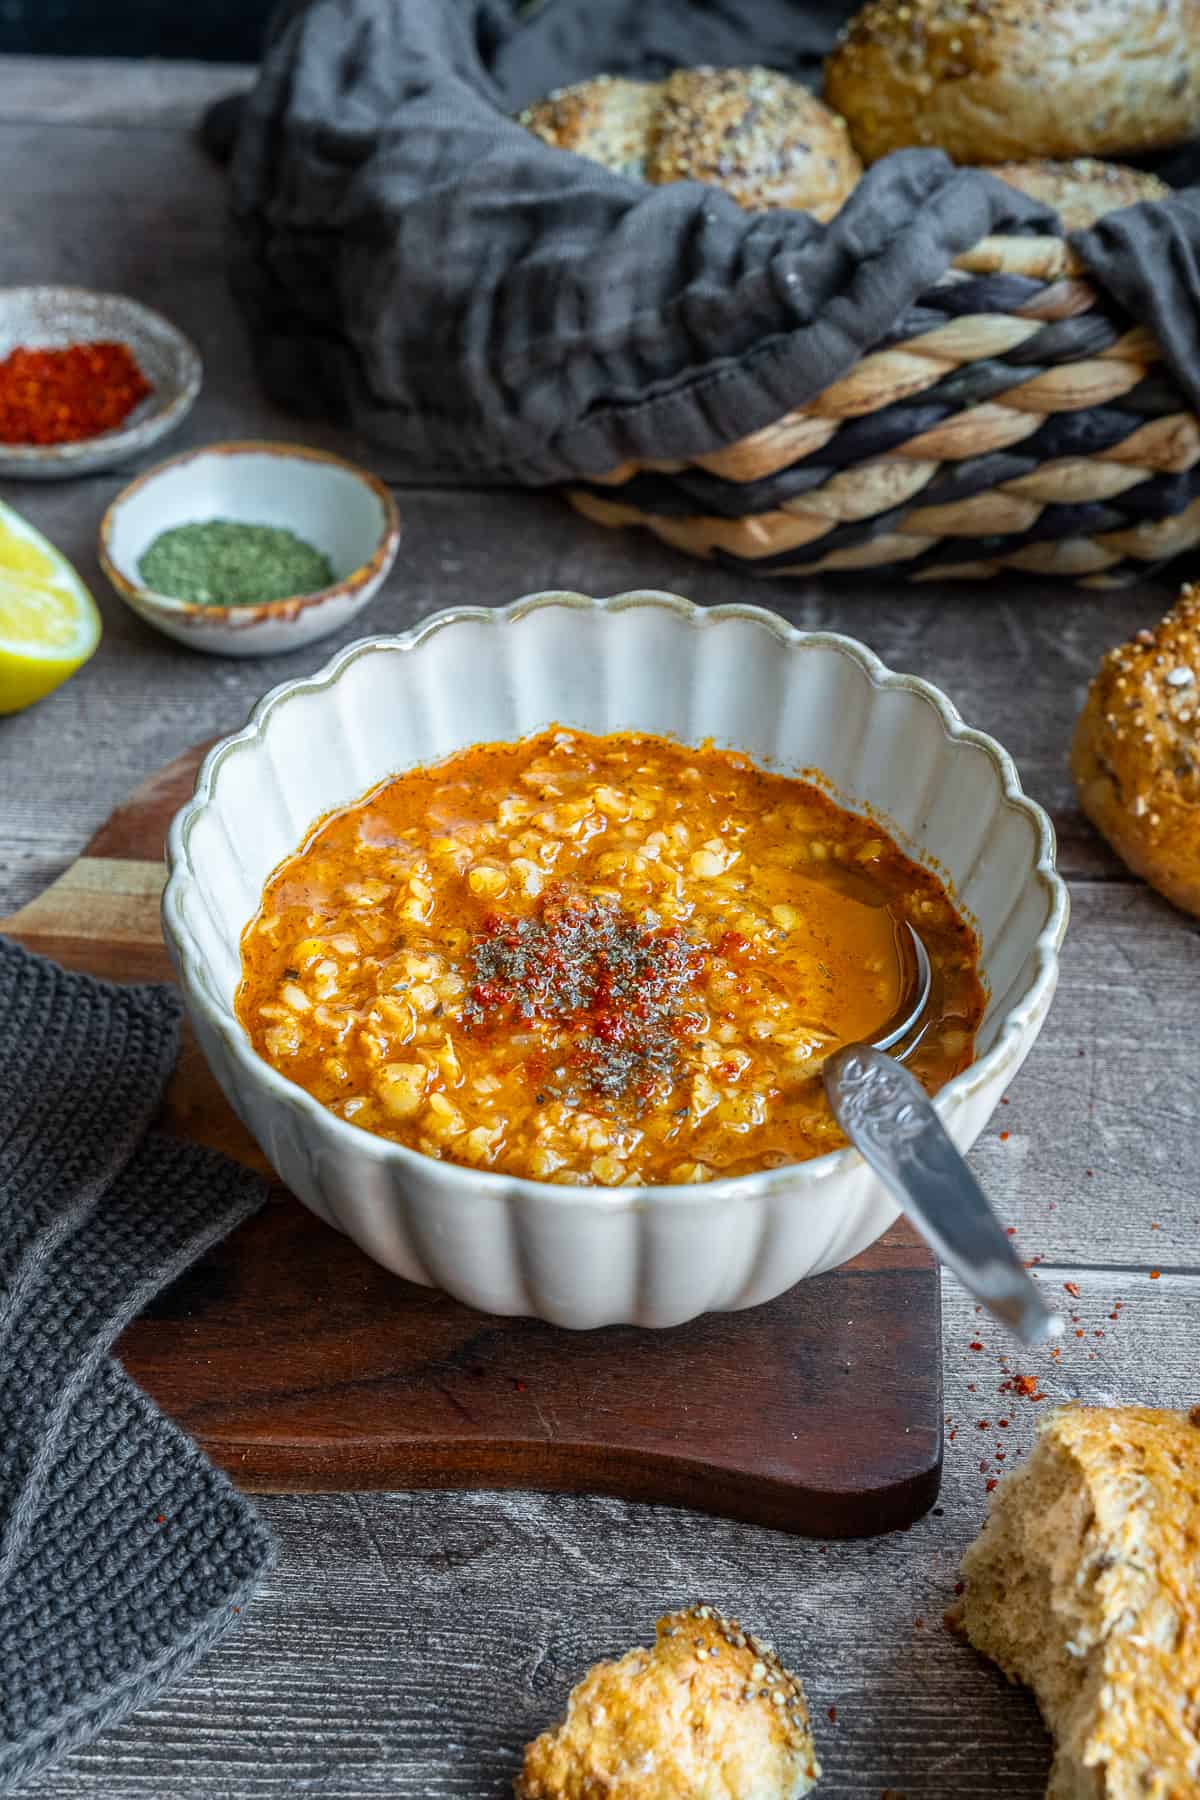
1136, 753
709, 1713
1083, 1585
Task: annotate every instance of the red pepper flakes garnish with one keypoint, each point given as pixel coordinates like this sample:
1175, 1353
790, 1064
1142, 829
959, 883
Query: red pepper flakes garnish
918, 1623
615, 984
1079, 1333
1002, 1456
984, 1466
951, 1435
1072, 1288
971, 1384
60, 396
1154, 1226
982, 1424
1011, 1230
990, 1485
1004, 1100
977, 1346
1089, 1174
1004, 1137
960, 1587
1003, 1424
159, 1519
1155, 1274
831, 1712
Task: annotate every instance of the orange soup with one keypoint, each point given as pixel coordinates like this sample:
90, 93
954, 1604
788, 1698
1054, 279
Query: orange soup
598, 960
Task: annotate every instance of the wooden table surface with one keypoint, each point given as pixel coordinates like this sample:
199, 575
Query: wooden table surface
409, 1644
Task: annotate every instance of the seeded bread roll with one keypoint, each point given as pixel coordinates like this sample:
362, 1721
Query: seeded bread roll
761, 138
1082, 190
1136, 753
707, 1714
1083, 1585
988, 82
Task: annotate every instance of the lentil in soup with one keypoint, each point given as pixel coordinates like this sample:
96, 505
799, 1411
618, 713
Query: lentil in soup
599, 960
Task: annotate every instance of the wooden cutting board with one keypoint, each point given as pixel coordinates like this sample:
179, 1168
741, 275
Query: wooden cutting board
299, 1364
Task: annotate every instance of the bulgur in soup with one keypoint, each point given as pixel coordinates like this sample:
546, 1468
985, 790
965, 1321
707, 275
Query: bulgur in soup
599, 960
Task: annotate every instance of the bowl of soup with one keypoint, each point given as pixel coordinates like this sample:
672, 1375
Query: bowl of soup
518, 942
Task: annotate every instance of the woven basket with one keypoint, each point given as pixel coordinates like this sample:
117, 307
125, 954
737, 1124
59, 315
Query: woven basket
1014, 418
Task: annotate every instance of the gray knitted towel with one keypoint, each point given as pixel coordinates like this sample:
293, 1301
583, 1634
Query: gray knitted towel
123, 1553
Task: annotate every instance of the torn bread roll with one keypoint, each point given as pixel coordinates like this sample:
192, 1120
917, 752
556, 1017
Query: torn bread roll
709, 1713
1084, 1585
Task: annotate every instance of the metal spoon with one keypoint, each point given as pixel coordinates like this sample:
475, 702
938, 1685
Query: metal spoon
887, 1115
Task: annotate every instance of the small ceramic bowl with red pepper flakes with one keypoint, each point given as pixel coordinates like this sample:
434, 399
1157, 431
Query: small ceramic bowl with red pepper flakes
87, 381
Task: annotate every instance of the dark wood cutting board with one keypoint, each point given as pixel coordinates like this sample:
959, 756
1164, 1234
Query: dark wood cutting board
300, 1364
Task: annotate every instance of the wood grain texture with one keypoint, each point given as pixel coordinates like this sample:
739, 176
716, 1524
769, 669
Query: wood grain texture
409, 1643
298, 1364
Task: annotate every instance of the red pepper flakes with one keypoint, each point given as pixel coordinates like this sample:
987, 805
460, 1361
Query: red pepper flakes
1154, 1226
1079, 1332
984, 1466
832, 1714
1011, 1230
960, 1587
1003, 1424
1025, 1385
982, 1424
951, 1435
918, 1623
1155, 1274
990, 1485
1072, 1288
1004, 1137
60, 396
976, 1346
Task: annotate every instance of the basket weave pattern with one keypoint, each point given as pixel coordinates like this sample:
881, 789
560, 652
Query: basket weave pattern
1014, 418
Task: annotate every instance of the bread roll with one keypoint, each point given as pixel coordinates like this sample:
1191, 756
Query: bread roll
761, 138
708, 1714
990, 82
1083, 1585
1136, 753
1083, 190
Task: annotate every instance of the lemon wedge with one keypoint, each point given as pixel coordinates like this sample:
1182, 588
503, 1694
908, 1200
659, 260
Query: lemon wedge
49, 624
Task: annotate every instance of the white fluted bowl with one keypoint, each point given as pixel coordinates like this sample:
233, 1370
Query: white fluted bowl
793, 700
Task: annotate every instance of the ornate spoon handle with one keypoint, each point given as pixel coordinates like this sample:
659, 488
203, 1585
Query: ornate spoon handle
886, 1114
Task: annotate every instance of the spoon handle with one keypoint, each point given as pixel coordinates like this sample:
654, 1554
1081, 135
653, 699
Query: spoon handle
886, 1114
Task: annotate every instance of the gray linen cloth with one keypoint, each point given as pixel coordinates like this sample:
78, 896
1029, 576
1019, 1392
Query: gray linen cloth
123, 1553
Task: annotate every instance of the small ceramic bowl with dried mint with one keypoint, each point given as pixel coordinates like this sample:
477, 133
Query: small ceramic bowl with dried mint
250, 549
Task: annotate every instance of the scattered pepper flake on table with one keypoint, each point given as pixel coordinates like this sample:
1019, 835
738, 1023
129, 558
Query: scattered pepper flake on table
63, 395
